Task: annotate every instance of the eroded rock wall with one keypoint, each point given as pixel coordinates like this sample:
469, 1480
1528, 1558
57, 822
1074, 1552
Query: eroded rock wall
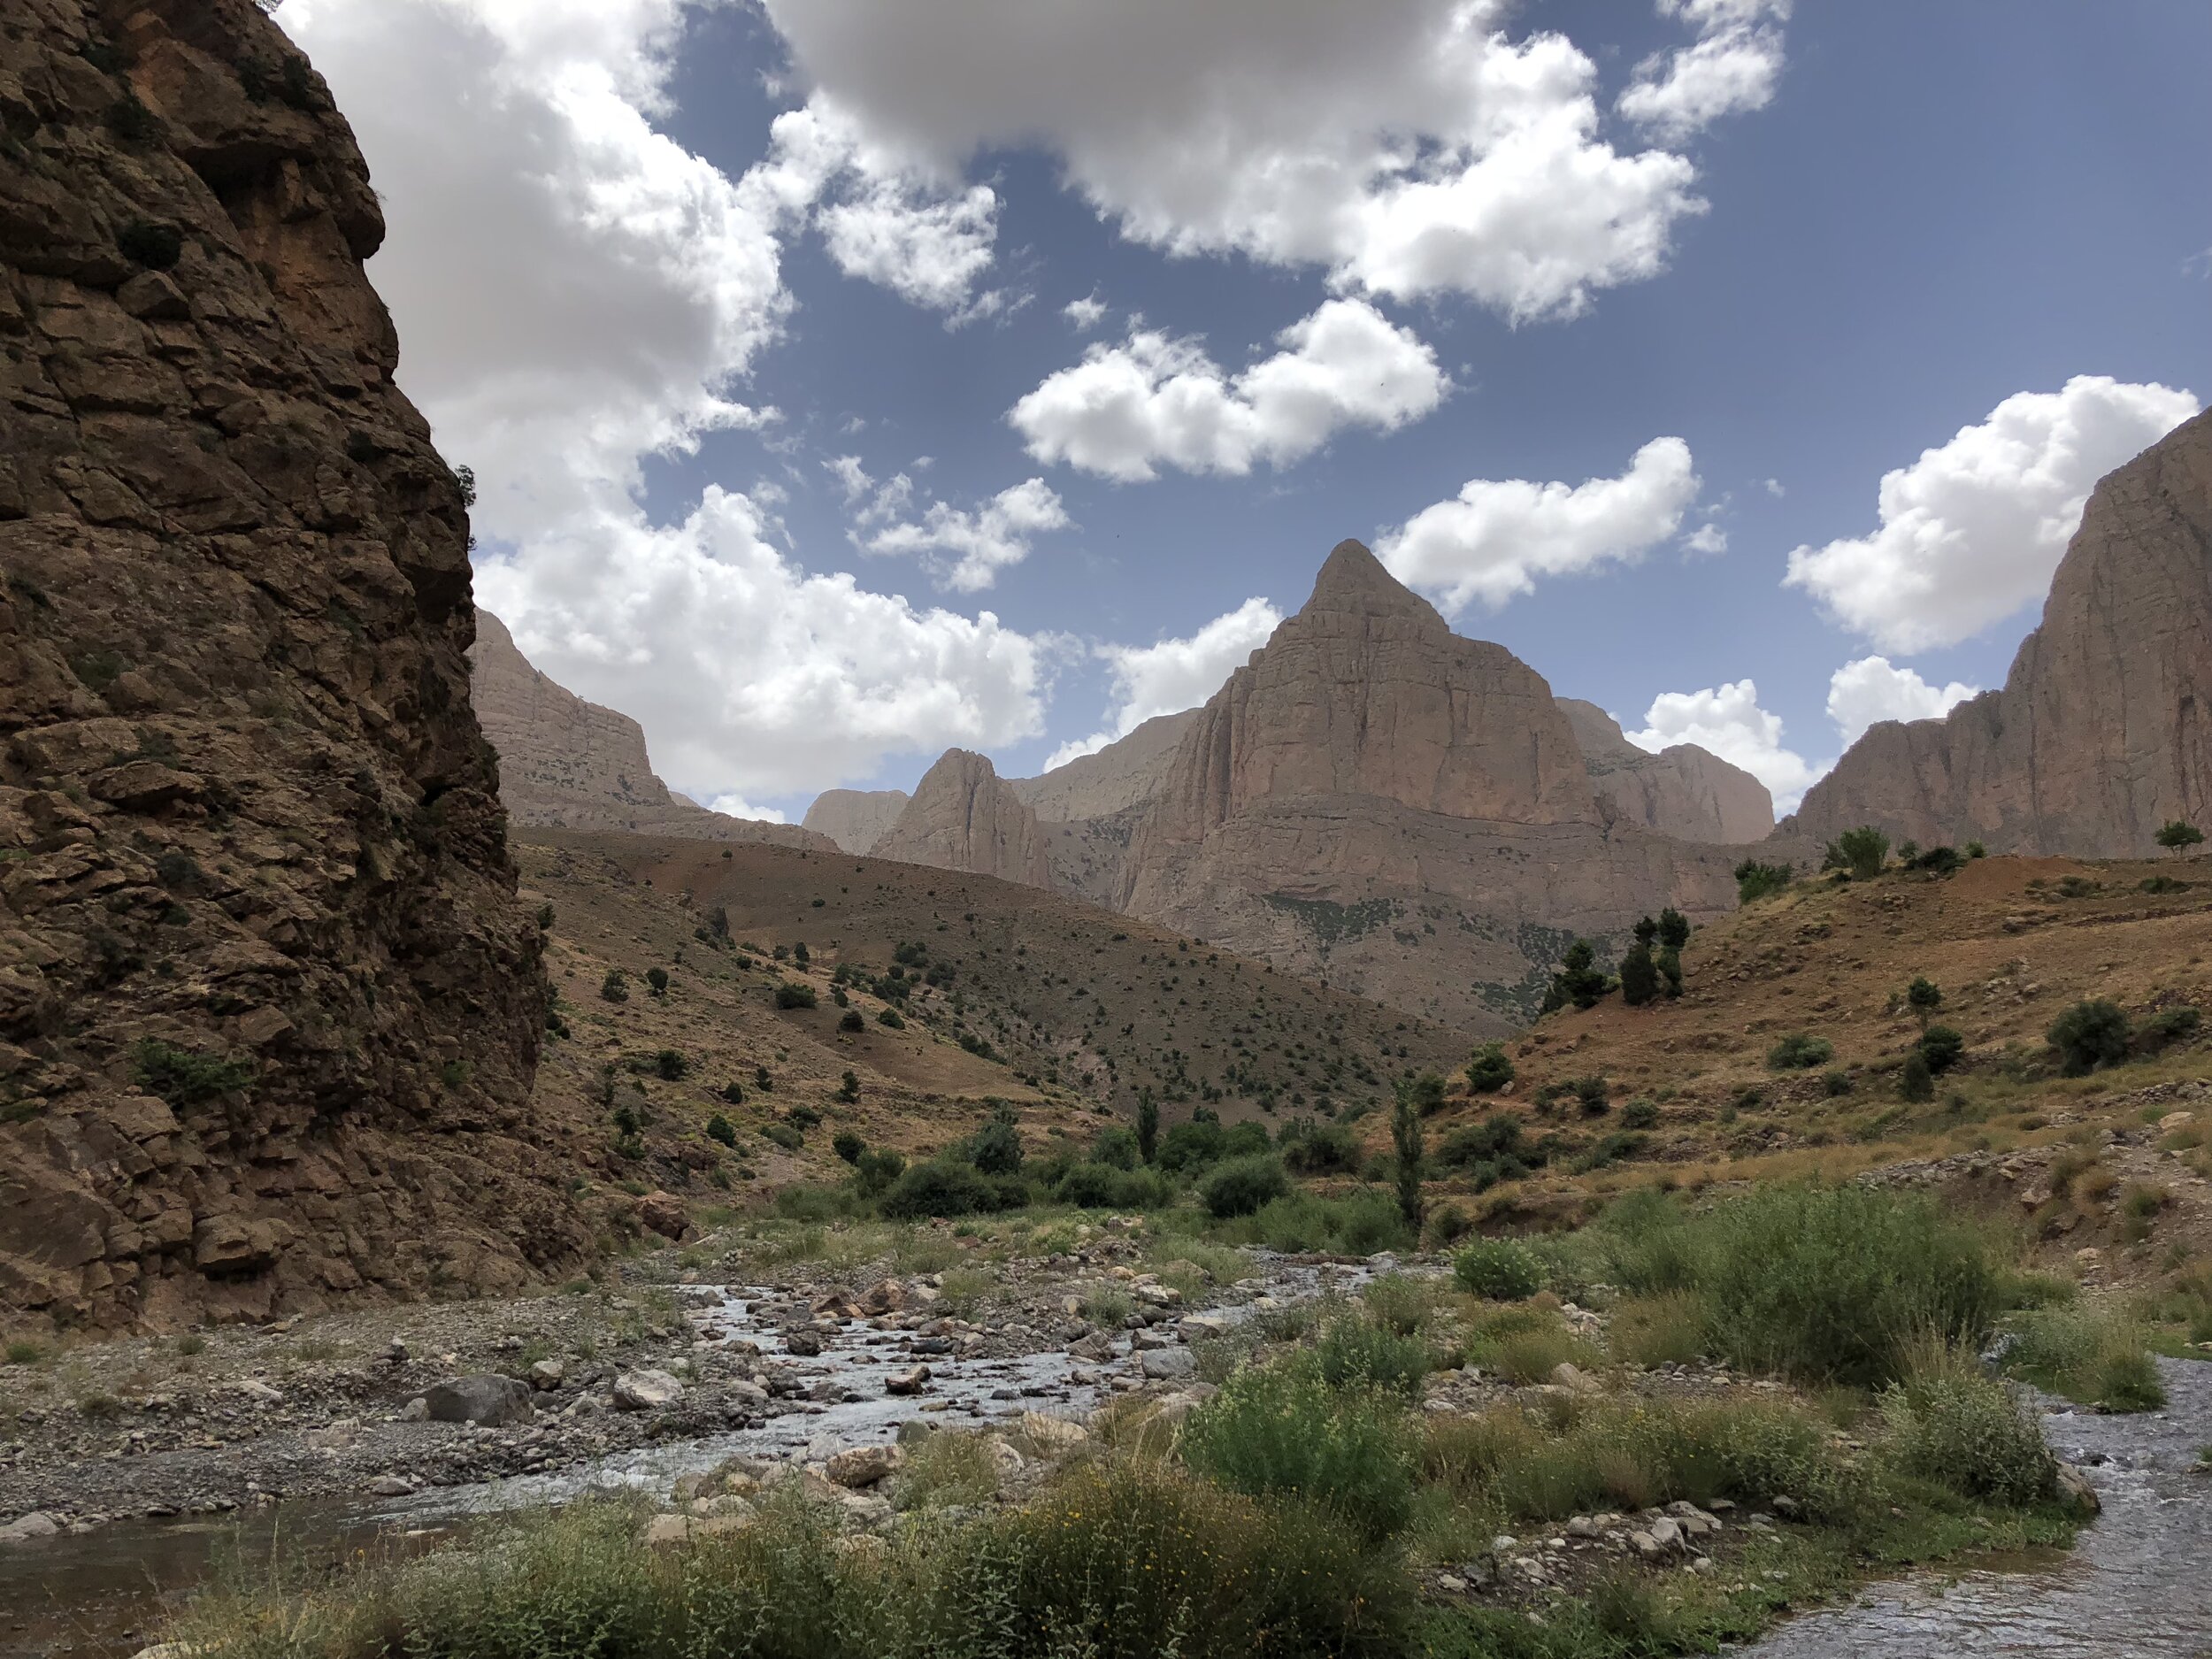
963, 817
269, 1011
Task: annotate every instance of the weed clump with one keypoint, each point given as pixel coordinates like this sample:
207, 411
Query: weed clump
1281, 1430
1498, 1269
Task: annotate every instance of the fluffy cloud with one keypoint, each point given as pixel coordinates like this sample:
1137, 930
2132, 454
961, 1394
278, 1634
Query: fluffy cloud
1863, 693
1733, 67
1086, 313
1408, 147
1728, 721
1153, 400
1971, 531
738, 806
1497, 537
1175, 674
748, 672
966, 550
576, 292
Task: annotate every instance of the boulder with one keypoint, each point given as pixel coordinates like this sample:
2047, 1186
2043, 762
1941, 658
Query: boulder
863, 1465
1169, 1363
488, 1400
907, 1382
645, 1390
548, 1374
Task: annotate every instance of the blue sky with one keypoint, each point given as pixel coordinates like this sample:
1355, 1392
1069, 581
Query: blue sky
1920, 222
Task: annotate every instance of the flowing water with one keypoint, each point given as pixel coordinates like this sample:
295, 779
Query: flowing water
101, 1595
2138, 1585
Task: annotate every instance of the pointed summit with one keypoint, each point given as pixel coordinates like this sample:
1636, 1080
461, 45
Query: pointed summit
1352, 578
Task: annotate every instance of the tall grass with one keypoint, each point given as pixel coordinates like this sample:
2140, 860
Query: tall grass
2094, 1356
1280, 1430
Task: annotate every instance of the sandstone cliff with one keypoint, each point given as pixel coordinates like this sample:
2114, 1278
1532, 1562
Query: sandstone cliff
1127, 773
1683, 791
269, 1011
1380, 802
566, 764
2103, 731
855, 820
963, 817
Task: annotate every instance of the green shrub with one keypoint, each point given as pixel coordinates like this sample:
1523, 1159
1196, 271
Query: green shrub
1354, 1352
1941, 1048
2091, 1034
794, 994
945, 1189
616, 986
1915, 1081
1755, 881
847, 1146
1498, 1269
1194, 1144
1280, 1430
996, 1147
1314, 1148
2169, 1025
720, 1128
1639, 975
1242, 1186
783, 1135
891, 1017
1835, 1084
1359, 1224
2093, 1356
1800, 1052
1490, 1070
670, 1065
1095, 1186
1861, 852
1116, 1148
1951, 1423
850, 1020
183, 1078
1640, 1114
1579, 981
1592, 1093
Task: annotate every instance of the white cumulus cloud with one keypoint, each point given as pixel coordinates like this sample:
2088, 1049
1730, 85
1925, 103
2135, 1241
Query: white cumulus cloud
965, 550
1126, 409
1406, 147
1727, 721
1086, 313
1175, 674
1872, 690
576, 291
1971, 531
1733, 67
738, 806
1497, 536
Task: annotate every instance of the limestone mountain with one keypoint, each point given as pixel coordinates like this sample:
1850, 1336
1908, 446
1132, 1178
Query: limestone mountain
566, 764
1378, 801
269, 1008
963, 817
855, 820
1684, 791
2103, 730
1127, 773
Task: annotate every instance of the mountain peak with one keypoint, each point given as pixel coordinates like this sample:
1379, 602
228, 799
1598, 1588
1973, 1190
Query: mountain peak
1353, 578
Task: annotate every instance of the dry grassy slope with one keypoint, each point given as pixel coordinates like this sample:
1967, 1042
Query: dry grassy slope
2002, 939
1019, 957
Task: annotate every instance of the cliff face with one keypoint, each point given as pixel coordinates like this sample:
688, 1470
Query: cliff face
855, 820
2103, 731
566, 764
963, 817
268, 1009
1125, 774
1687, 791
1378, 803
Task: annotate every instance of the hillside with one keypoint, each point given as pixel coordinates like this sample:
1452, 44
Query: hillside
1069, 1012
2011, 943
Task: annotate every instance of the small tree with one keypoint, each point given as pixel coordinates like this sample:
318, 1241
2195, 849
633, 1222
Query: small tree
1923, 996
1646, 931
1670, 970
616, 986
1916, 1082
1862, 851
657, 977
720, 1128
1755, 881
1428, 1093
996, 1147
847, 1145
848, 1087
1639, 973
1405, 1141
1148, 1127
1578, 981
2177, 837
2090, 1035
1674, 928
800, 955
1490, 1070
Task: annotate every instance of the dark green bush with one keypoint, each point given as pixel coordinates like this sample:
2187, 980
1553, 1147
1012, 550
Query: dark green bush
1498, 1269
1490, 1070
616, 986
1640, 1114
1639, 975
671, 1065
2089, 1035
850, 1020
720, 1128
1355, 1353
996, 1147
1800, 1052
1240, 1186
1942, 1049
2168, 1026
847, 1146
1095, 1186
1116, 1148
794, 994
1861, 852
783, 1135
1192, 1145
1755, 881
891, 1017
1579, 981
1314, 1148
183, 1078
1916, 1081
944, 1188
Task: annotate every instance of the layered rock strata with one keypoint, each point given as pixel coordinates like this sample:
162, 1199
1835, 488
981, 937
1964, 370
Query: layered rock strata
963, 817
269, 1011
2103, 730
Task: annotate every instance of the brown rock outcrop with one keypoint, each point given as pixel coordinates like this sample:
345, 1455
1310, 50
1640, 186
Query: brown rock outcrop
1127, 773
855, 820
566, 764
963, 817
1684, 790
1380, 802
2103, 731
269, 1011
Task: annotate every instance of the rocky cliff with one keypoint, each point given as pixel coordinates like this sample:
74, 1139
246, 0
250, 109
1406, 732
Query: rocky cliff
2103, 731
566, 764
1380, 802
1127, 773
1683, 791
269, 1011
855, 820
963, 817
